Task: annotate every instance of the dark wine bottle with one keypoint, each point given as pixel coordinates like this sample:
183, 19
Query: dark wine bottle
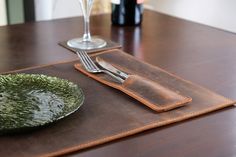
127, 12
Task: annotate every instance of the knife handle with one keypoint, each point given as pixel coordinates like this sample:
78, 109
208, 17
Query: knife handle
119, 79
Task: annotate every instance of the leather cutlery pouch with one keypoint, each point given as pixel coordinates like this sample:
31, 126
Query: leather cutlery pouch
147, 91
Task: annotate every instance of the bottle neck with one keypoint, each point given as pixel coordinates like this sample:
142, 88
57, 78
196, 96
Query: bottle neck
127, 13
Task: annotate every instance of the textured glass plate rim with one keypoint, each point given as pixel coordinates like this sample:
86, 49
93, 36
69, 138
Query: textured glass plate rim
21, 129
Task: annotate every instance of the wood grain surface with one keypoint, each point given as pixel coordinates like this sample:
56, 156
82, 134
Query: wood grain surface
199, 53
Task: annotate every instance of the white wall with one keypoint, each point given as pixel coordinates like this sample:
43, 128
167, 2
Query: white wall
66, 8
216, 13
3, 18
53, 9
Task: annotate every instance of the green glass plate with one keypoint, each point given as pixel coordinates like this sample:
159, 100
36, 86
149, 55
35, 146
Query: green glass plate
33, 100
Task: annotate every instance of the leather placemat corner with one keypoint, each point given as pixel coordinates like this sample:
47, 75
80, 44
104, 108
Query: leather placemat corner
107, 114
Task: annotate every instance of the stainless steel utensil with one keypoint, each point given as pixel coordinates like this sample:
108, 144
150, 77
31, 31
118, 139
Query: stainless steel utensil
91, 67
111, 68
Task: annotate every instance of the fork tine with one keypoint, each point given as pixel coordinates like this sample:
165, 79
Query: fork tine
90, 61
90, 66
83, 60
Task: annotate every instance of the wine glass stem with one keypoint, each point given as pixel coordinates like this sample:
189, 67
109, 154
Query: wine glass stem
86, 36
86, 6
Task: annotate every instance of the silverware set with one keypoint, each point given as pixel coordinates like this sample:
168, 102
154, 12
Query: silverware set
91, 67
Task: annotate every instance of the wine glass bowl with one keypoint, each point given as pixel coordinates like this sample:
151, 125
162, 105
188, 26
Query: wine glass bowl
87, 42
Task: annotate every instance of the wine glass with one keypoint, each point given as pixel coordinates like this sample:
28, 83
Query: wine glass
87, 42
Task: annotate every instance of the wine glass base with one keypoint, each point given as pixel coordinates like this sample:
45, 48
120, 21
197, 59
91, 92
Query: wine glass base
87, 45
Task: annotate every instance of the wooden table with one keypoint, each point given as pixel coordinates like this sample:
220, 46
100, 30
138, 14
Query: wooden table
199, 53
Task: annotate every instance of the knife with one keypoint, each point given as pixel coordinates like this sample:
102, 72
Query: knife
111, 68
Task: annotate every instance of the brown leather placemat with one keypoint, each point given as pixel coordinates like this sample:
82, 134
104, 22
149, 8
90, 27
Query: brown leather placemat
110, 45
107, 113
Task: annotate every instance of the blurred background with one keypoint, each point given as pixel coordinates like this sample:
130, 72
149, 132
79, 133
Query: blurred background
215, 13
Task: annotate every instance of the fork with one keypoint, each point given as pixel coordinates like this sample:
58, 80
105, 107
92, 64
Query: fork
91, 67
